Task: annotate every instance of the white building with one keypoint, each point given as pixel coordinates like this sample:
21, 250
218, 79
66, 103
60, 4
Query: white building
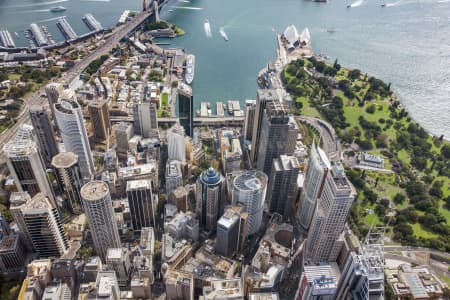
73, 132
176, 143
249, 191
174, 176
99, 211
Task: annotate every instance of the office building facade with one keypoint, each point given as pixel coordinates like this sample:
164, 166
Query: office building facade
249, 191
174, 176
228, 233
99, 114
278, 136
144, 118
262, 98
123, 133
27, 167
186, 108
250, 109
43, 226
317, 169
73, 132
330, 216
282, 187
210, 195
141, 202
69, 179
176, 145
44, 133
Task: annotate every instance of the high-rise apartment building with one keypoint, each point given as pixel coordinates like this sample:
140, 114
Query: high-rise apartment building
123, 133
43, 226
141, 202
45, 134
73, 132
99, 114
118, 259
145, 118
210, 195
100, 214
263, 97
249, 191
333, 207
186, 108
69, 178
176, 143
27, 167
316, 171
174, 176
250, 109
282, 187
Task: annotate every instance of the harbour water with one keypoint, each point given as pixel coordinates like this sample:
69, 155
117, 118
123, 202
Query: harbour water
405, 43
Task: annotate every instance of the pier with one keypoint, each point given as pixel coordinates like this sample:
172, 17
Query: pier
7, 39
39, 37
66, 29
124, 17
92, 23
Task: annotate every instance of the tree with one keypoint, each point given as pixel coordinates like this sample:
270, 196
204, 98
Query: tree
445, 151
436, 190
399, 198
370, 109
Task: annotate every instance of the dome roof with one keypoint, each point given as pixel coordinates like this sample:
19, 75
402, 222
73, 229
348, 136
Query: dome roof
210, 176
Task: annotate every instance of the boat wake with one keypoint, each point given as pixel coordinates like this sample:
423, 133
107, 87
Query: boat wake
34, 11
223, 34
188, 7
37, 4
184, 1
443, 1
357, 3
50, 19
207, 28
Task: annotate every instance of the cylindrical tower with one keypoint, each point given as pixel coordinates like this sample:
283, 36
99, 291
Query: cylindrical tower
249, 191
210, 195
69, 178
98, 208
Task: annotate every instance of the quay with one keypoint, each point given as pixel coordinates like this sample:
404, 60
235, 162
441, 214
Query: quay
7, 39
39, 37
66, 29
92, 23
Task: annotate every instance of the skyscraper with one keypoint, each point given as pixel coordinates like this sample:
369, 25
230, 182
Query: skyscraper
250, 109
43, 226
16, 200
262, 98
27, 167
316, 172
69, 179
176, 143
144, 117
282, 186
73, 132
53, 91
44, 133
99, 114
174, 177
228, 233
209, 197
100, 214
142, 206
186, 108
332, 209
278, 136
123, 133
249, 191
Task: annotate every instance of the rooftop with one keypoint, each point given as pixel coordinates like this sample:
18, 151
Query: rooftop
139, 184
64, 160
94, 190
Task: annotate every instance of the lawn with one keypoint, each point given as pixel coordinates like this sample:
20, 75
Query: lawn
419, 231
164, 99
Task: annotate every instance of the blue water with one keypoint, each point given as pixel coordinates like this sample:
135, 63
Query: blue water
407, 44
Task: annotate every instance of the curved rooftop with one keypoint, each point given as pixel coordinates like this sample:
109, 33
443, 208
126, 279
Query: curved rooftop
211, 177
64, 160
251, 181
66, 106
94, 190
